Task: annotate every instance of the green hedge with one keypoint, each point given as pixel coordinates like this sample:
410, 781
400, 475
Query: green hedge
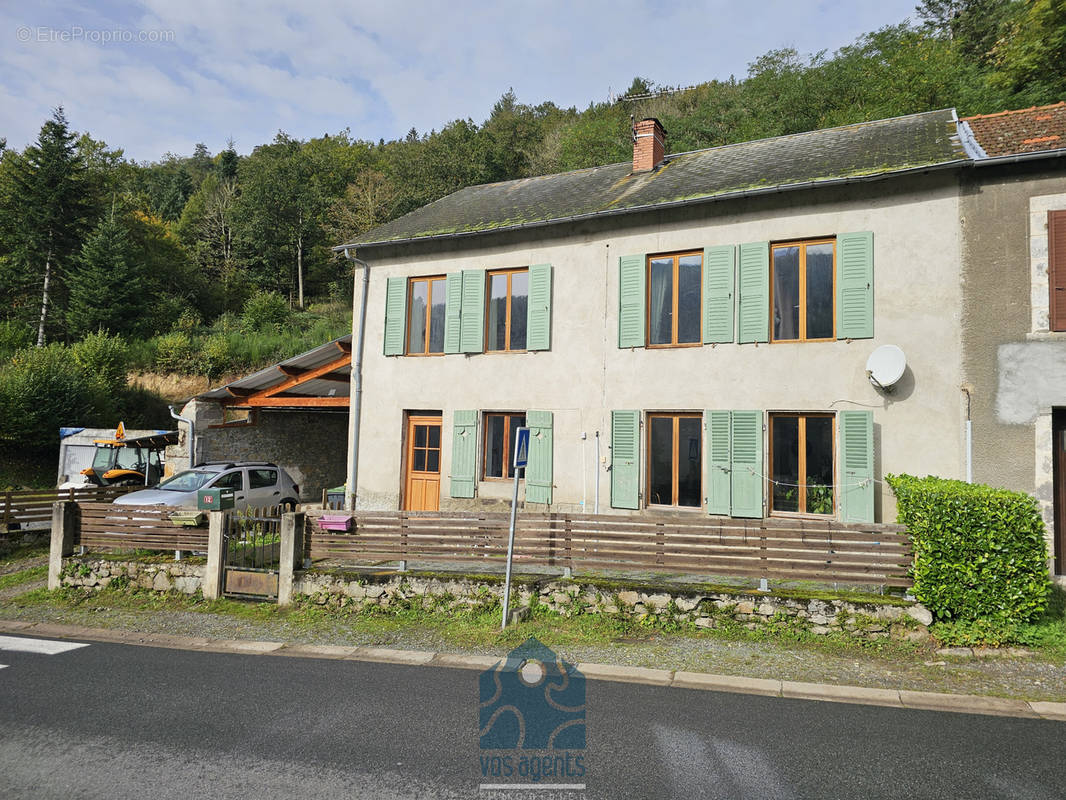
979, 552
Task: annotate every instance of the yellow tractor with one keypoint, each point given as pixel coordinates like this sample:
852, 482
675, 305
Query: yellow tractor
129, 462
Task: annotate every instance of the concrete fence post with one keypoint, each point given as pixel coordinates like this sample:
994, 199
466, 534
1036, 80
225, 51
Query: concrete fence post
216, 544
292, 554
65, 520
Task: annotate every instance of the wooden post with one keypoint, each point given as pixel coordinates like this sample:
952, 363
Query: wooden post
7, 510
65, 529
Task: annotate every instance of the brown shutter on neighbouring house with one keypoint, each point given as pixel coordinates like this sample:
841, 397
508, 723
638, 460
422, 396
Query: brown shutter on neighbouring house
1056, 269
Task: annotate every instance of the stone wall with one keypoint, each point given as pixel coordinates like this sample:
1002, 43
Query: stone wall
95, 573
685, 605
310, 445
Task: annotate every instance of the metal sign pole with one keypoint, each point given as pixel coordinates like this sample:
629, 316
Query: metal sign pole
521, 454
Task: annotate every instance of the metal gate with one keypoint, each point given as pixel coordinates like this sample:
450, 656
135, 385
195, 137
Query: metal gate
252, 546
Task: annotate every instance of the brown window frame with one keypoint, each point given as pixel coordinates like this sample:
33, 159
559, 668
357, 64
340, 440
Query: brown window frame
488, 305
1056, 272
428, 280
801, 501
508, 437
802, 244
647, 300
675, 416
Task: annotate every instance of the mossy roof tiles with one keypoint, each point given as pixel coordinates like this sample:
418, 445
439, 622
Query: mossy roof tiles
866, 149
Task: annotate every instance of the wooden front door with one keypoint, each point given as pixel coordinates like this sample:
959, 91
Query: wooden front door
422, 481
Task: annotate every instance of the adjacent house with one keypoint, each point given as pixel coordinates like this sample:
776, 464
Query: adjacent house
693, 332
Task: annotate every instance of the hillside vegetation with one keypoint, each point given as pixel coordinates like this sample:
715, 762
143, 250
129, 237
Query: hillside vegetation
218, 263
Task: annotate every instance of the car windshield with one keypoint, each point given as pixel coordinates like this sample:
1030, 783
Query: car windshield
188, 481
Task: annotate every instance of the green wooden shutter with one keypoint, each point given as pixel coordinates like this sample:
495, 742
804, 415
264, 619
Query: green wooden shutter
746, 481
719, 276
857, 465
472, 324
753, 323
453, 312
539, 308
719, 452
539, 468
631, 275
625, 459
855, 285
395, 316
464, 454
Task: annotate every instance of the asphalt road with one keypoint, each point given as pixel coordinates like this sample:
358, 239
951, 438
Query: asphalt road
117, 721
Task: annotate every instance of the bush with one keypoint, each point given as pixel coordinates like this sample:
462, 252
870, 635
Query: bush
979, 552
42, 389
14, 336
265, 311
215, 355
104, 359
175, 352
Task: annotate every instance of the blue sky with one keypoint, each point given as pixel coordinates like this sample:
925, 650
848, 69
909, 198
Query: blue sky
158, 76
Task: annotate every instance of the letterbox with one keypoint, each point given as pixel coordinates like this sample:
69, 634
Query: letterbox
214, 499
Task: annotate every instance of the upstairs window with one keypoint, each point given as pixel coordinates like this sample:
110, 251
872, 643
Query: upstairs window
499, 443
802, 289
426, 306
674, 299
505, 324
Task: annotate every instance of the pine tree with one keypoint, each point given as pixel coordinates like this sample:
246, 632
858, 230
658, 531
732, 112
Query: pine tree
106, 292
50, 211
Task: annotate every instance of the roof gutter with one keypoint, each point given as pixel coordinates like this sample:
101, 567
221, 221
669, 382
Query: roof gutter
781, 189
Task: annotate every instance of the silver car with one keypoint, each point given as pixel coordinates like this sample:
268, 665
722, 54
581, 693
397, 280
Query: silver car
255, 484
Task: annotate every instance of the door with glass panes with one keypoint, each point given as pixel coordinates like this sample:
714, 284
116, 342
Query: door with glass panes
422, 474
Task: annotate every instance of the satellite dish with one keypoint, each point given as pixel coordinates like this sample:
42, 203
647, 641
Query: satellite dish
885, 366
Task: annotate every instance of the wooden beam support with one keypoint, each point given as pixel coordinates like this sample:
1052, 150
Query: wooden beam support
297, 402
292, 372
344, 347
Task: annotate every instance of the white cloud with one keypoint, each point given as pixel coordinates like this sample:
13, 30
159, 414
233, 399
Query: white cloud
246, 69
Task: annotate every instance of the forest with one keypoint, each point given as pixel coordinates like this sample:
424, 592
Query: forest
215, 264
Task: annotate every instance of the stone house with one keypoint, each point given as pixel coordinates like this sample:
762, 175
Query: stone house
693, 332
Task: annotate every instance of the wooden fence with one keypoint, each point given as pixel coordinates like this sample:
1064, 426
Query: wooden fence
103, 526
18, 509
781, 549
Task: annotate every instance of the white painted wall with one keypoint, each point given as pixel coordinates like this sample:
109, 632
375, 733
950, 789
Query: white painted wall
918, 429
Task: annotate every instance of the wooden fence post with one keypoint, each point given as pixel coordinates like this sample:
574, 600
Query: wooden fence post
65, 523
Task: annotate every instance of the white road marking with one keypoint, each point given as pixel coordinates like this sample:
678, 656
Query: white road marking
3, 666
45, 647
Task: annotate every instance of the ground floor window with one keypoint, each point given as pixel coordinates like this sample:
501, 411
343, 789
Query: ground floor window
499, 441
674, 460
801, 455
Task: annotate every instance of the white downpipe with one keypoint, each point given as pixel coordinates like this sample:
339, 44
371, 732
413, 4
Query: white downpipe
584, 474
192, 438
969, 451
351, 487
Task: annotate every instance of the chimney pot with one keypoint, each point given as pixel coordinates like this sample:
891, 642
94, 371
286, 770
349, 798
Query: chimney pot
649, 144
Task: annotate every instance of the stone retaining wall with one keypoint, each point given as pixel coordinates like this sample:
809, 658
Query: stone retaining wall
180, 576
703, 609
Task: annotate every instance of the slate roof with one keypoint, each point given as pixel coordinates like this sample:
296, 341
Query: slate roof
864, 150
1028, 130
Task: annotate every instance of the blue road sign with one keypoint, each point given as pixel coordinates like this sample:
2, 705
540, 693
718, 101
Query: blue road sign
521, 447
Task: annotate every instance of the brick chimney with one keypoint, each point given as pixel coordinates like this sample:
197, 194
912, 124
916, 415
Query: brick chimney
649, 144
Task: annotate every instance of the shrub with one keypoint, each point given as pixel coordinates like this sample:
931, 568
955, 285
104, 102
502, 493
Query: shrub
979, 552
175, 352
265, 311
104, 359
215, 355
14, 335
42, 389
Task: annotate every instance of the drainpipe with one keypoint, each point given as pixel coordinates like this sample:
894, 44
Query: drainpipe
352, 484
969, 435
192, 435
